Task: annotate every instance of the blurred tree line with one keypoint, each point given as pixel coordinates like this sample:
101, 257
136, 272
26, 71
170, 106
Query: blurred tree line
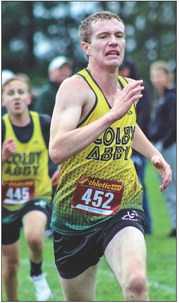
33, 32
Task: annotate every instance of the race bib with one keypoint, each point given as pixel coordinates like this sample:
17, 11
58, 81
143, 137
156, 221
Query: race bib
98, 196
17, 191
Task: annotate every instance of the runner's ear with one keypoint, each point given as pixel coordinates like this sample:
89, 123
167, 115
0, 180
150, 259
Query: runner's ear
86, 48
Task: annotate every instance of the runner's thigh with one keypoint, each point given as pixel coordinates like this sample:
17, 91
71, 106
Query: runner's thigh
34, 222
82, 287
126, 253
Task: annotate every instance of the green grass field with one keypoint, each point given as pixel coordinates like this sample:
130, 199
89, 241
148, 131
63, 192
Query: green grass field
161, 261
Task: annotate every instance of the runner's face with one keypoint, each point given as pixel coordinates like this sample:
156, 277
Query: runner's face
16, 97
107, 42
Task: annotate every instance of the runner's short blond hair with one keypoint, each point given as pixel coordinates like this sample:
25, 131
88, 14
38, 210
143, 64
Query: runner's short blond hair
85, 27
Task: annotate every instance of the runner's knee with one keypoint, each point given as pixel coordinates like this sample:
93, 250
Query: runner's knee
11, 267
35, 241
136, 286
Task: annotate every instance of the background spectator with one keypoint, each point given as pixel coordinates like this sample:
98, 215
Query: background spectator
59, 69
6, 74
163, 128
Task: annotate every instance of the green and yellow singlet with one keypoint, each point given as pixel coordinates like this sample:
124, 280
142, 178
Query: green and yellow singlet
107, 158
25, 173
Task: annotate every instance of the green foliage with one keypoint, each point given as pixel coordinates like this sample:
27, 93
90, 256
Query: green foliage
161, 260
52, 27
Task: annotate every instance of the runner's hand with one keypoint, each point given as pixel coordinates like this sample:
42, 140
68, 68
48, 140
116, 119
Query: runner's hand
8, 149
124, 99
163, 169
55, 177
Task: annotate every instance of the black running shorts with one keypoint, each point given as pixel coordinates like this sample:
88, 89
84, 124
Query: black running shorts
75, 254
12, 221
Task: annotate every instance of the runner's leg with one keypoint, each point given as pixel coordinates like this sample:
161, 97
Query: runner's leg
82, 287
10, 258
126, 256
34, 223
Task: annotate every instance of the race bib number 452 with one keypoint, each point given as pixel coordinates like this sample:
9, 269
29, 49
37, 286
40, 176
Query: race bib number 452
98, 196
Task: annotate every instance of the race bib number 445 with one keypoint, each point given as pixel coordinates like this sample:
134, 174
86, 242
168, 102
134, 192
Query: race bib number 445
17, 191
98, 196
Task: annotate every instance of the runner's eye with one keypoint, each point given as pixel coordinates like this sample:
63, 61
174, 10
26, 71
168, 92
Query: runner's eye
103, 36
121, 35
10, 93
21, 91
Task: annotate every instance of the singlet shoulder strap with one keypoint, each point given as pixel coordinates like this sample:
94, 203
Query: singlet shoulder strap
34, 114
85, 74
35, 118
123, 81
5, 117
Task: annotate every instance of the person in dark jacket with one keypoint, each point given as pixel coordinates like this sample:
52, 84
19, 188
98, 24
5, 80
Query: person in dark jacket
59, 69
163, 128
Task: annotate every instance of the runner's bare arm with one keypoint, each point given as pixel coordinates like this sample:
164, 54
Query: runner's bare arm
66, 139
